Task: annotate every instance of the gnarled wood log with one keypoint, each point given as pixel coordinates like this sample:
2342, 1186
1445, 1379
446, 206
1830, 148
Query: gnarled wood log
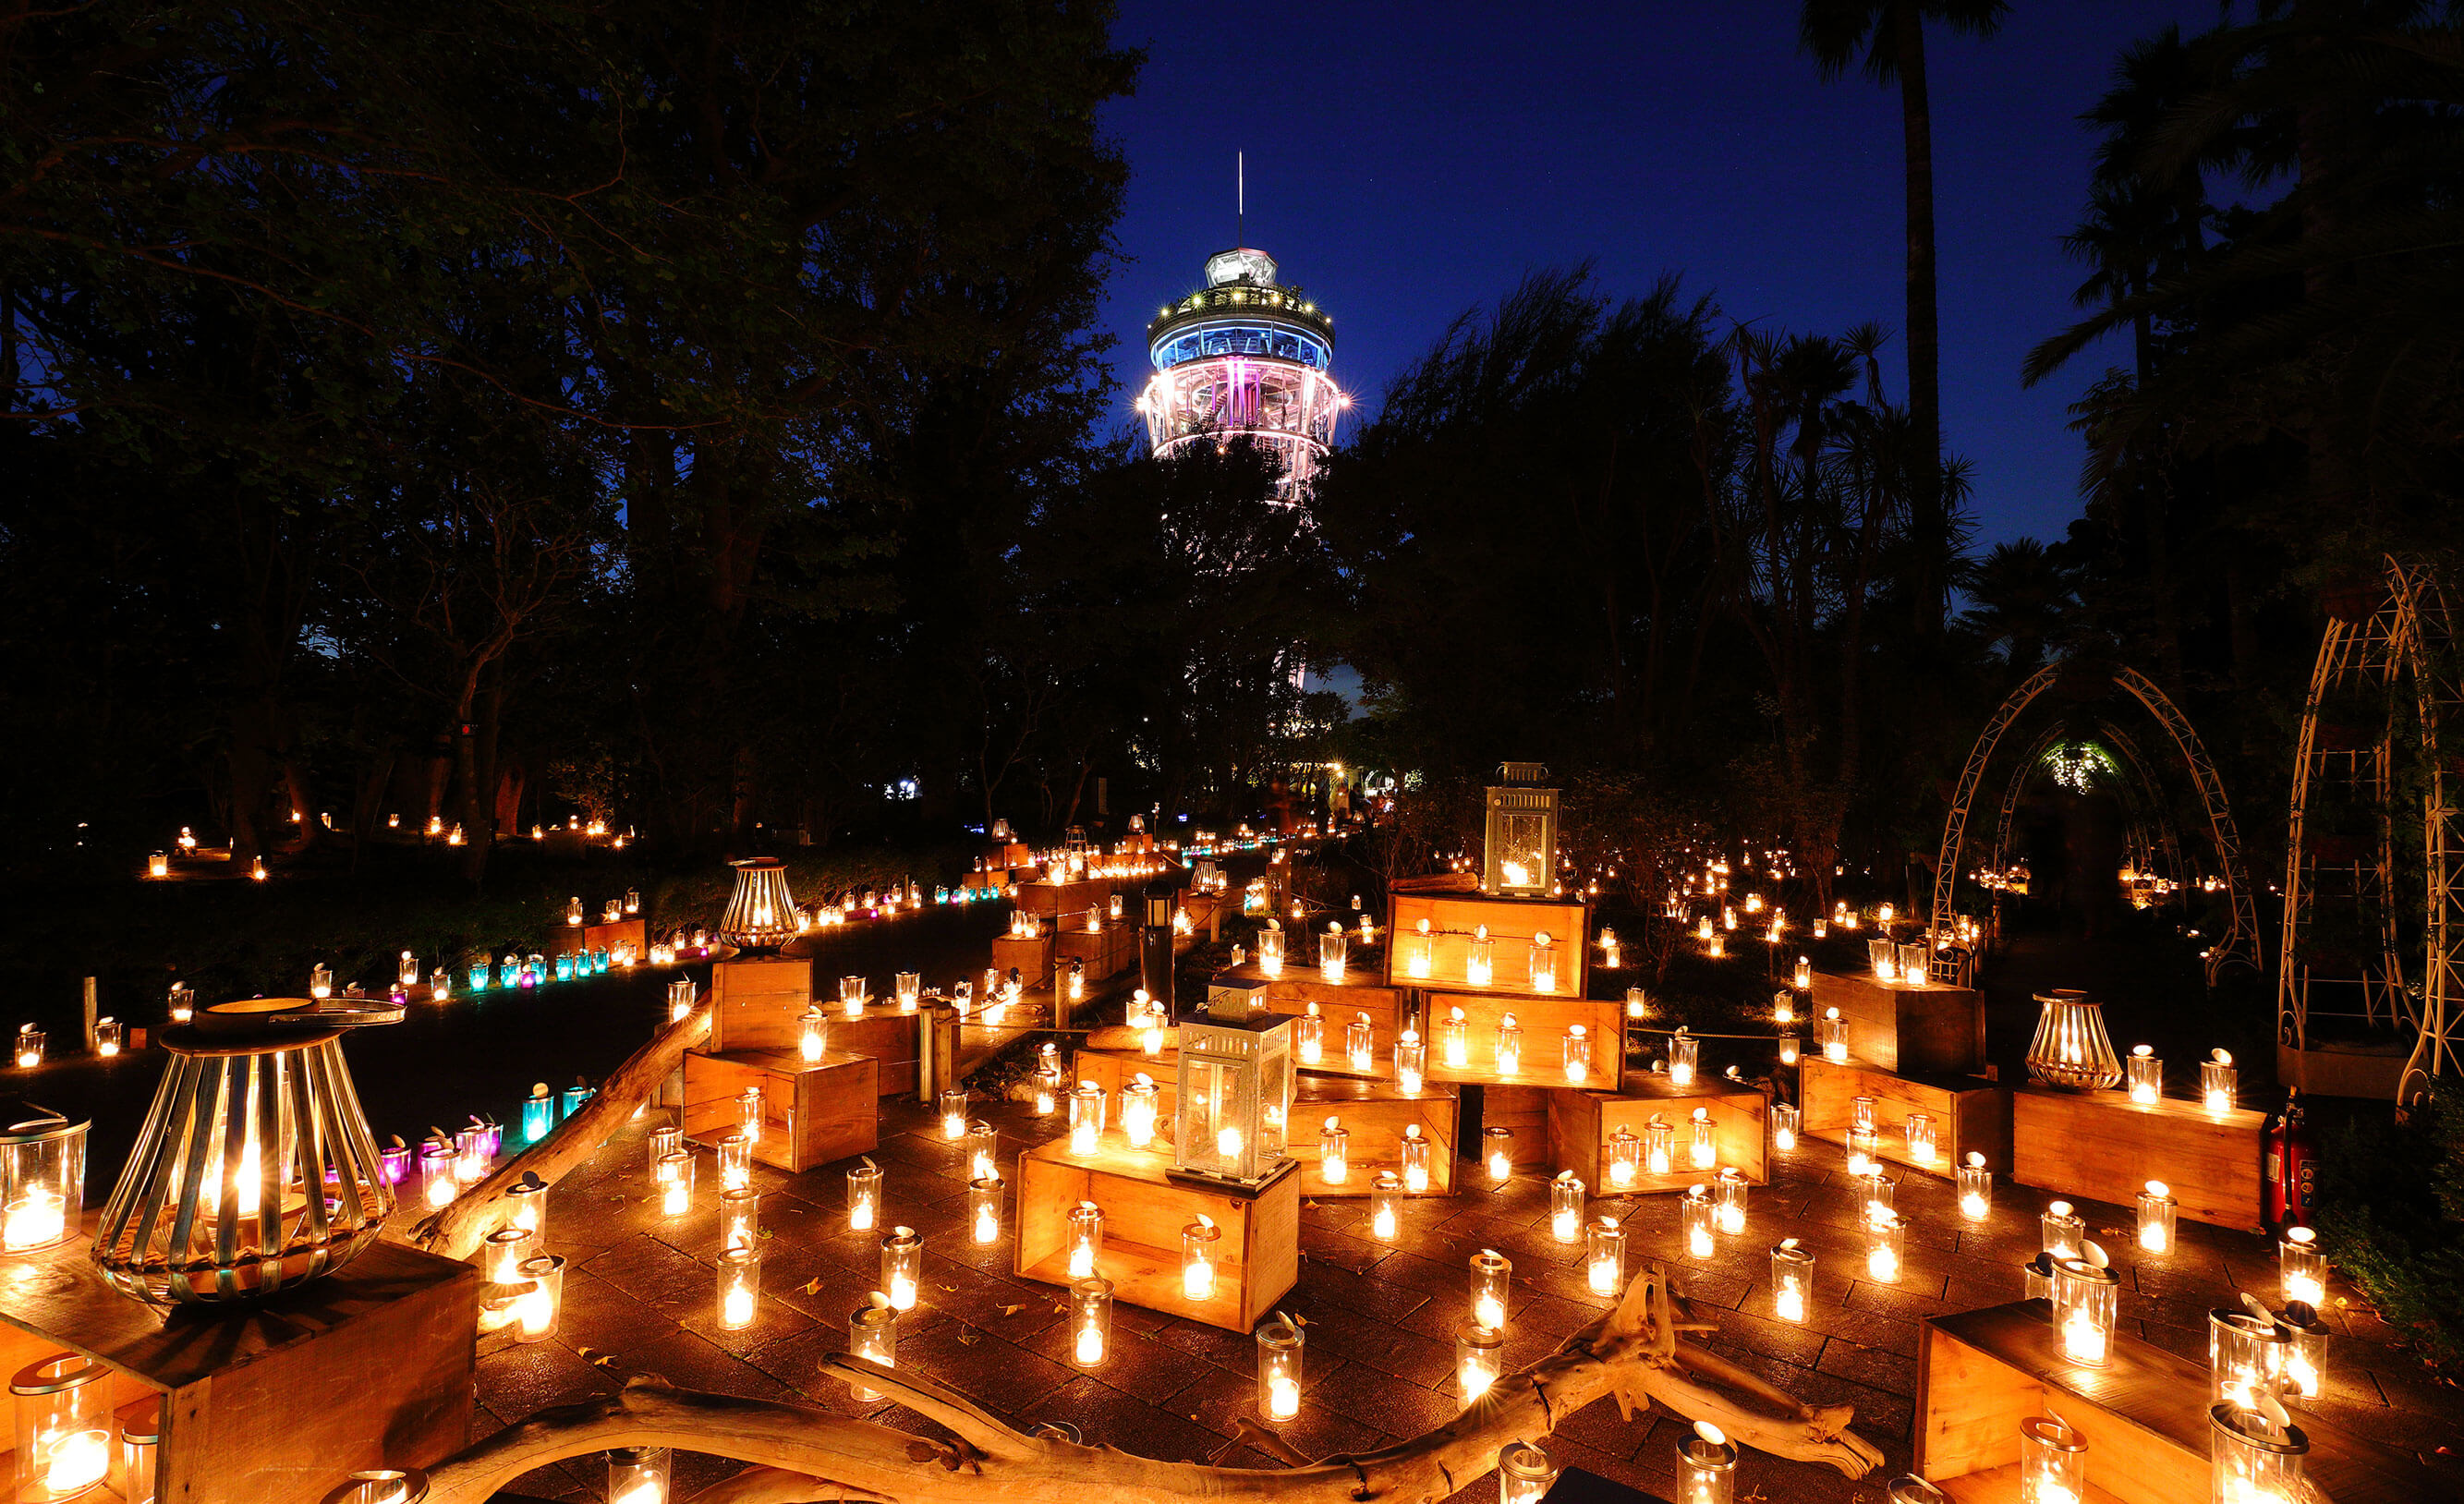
458, 1227
802, 1456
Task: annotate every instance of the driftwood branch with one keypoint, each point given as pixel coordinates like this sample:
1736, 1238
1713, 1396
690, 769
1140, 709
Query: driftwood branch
458, 1227
801, 1455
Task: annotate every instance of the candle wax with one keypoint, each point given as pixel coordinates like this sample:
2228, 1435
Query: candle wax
740, 1308
902, 1292
37, 1218
1564, 1225
1604, 1274
1699, 1244
987, 1225
1972, 1206
1283, 1397
78, 1462
1091, 1344
2082, 1340
1884, 1265
1198, 1280
1792, 1301
1489, 1312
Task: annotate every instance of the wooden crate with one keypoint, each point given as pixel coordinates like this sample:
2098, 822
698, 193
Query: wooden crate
572, 939
911, 1065
1911, 1027
1338, 1004
811, 1112
1115, 1069
759, 1003
2144, 1417
1065, 899
1581, 1123
1523, 1110
270, 1402
1144, 1210
1972, 1114
1375, 1114
1030, 956
1106, 952
2104, 1146
1544, 1022
1454, 917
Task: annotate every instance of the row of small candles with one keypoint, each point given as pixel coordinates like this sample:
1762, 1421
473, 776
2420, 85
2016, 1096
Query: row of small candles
1409, 1053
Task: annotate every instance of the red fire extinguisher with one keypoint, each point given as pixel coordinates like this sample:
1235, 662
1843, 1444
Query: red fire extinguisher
2292, 1164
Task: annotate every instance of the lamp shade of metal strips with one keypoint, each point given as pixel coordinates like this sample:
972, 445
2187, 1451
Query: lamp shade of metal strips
2072, 1052
255, 1171
762, 914
1235, 1086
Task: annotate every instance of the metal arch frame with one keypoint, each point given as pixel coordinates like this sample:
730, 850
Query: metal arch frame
2168, 838
2438, 1052
2240, 946
2011, 793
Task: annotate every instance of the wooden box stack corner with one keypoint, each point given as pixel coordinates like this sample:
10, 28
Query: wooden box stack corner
811, 1112
1581, 1123
1972, 1114
1913, 1026
1376, 1115
758, 1002
2104, 1146
1144, 1210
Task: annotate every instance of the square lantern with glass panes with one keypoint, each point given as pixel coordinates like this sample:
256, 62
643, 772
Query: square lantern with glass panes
1520, 856
1236, 1087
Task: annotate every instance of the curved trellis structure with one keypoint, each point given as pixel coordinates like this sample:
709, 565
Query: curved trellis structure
2338, 878
2239, 947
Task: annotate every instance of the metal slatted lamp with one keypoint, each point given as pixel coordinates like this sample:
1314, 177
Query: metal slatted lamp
1236, 1088
762, 914
1519, 855
2072, 1052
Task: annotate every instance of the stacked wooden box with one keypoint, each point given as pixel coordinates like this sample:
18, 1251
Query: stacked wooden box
2104, 1145
573, 939
1906, 1025
813, 1111
1444, 979
1581, 1123
1972, 1114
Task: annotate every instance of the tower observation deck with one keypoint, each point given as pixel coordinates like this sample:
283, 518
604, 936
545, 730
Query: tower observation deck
1244, 355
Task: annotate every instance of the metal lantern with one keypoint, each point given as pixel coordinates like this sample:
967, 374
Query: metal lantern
1236, 1088
254, 1169
2072, 1053
761, 915
1520, 854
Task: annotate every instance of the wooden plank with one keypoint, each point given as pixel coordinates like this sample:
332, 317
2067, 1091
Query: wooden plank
1338, 1004
1455, 917
758, 1002
1144, 1210
1581, 1123
1523, 1110
1544, 1022
1915, 1027
2001, 1486
812, 1114
1971, 1114
2102, 1145
1374, 1114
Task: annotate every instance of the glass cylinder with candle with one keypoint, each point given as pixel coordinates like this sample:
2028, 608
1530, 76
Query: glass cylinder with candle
1090, 1320
1333, 1152
140, 1448
902, 1266
984, 1210
1830, 1032
2038, 1277
1086, 1239
2145, 1074
1411, 1061
2305, 1363
638, 1475
1331, 948
1861, 1112
1454, 1040
1480, 958
1862, 1145
2086, 1298
2064, 1232
1309, 1035
2156, 1209
909, 986
734, 1162
873, 1334
1492, 1275
673, 1177
1566, 1207
1085, 1118
1544, 964
1417, 950
983, 1150
1497, 1152
1386, 1206
539, 1116
2218, 1082
739, 1218
1685, 1055
1786, 1120
1788, 1047
1479, 1359
740, 1284
1706, 1471
1358, 1044
1728, 1201
535, 1310
1703, 1150
852, 992
2246, 1357
1577, 1054
864, 1197
2053, 1462
1791, 1280
1047, 1094
42, 1182
812, 1034
953, 1103
1278, 1370
1526, 1473
1924, 1150
63, 1426
1510, 1046
1201, 1250
525, 1206
1874, 1191
1694, 1216
1885, 1244
394, 1160
1604, 1256
2301, 1268
1271, 949
438, 1184
2253, 1460
1138, 1110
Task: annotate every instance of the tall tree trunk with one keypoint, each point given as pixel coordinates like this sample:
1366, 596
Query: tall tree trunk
1925, 324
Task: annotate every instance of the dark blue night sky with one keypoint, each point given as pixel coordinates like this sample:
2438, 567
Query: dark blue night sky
1407, 162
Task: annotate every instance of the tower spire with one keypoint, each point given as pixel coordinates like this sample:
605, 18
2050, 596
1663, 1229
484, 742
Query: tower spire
1240, 197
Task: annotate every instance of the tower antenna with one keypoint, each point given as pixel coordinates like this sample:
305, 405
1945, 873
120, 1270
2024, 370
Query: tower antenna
1240, 196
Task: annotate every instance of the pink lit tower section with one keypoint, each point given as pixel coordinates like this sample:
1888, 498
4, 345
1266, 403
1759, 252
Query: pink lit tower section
1244, 355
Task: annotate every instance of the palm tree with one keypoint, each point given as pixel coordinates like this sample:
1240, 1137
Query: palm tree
1890, 36
2023, 595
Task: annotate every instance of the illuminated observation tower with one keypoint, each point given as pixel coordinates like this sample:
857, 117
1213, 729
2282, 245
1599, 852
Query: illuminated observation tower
1243, 355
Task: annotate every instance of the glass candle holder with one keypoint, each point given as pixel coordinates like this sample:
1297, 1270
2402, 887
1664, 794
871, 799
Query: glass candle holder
909, 988
1526, 1473
2038, 1276
1706, 1471
1910, 1489
1492, 1275
394, 1161
1886, 1242
851, 996
1604, 1256
1830, 1032
2063, 1231
525, 1206
1086, 1239
1140, 1111
1309, 1037
536, 1311
1694, 1217
1497, 1151
2301, 1268
1201, 1249
539, 1116
1415, 1152
873, 1334
1480, 958
1047, 1094
183, 997
2053, 1462
471, 1154
984, 1210
1729, 1202
2305, 1361
673, 1179
2246, 1358
1479, 1360
1703, 1149
1270, 950
1085, 1118
1454, 1041
1510, 1046
1278, 1370
438, 1184
1411, 1061
107, 1036
863, 1197
1863, 1145
1624, 1159
1975, 1189
638, 1475
1090, 1320
735, 1162
63, 1426
1874, 1191
2218, 1082
1685, 1055
902, 1266
740, 1287
953, 1103
42, 1182
739, 1219
1924, 1150
2253, 1460
2156, 1211
1787, 1121
1543, 962
1791, 1280
1577, 1054
1358, 1044
1333, 947
2144, 1075
1566, 1207
680, 999
1386, 1206
2086, 1298
1861, 1112
1333, 1152
1416, 949
1788, 1047
1658, 1146
982, 1150
812, 1035
28, 1051
140, 1448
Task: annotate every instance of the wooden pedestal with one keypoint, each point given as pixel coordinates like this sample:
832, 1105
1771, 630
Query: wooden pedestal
1375, 1114
2144, 1414
574, 938
1544, 1022
1916, 1028
1144, 1211
759, 1003
1338, 1004
1970, 1114
1454, 919
1106, 952
1115, 1069
1580, 1124
811, 1114
1030, 956
2101, 1146
270, 1402
909, 1064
